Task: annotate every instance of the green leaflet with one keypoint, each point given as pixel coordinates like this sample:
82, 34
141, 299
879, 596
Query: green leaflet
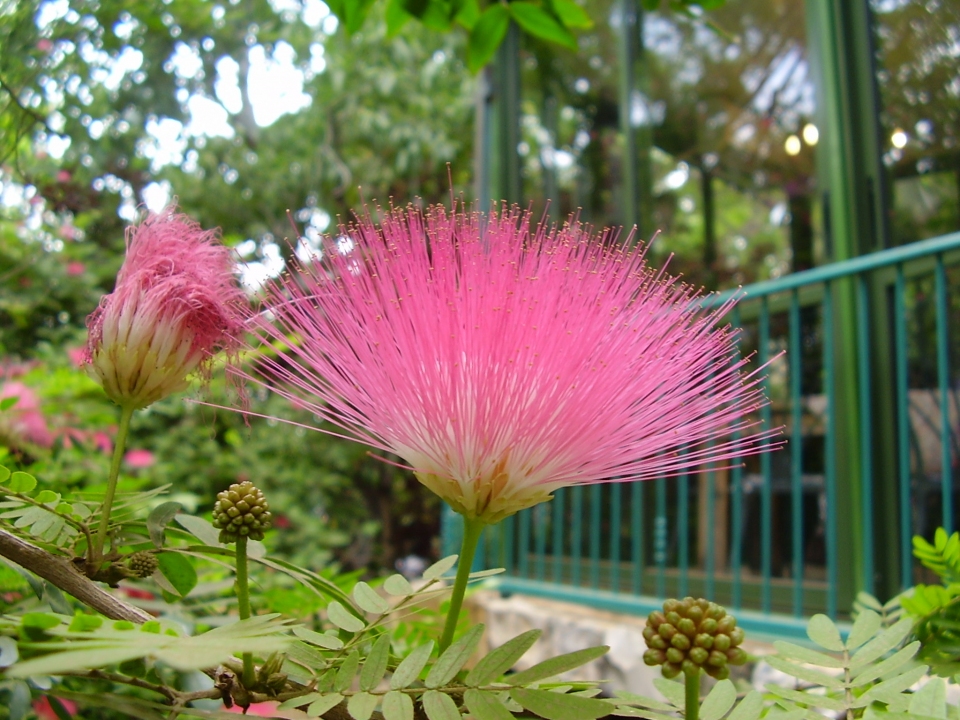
497, 662
368, 600
823, 631
339, 616
410, 667
882, 644
454, 658
440, 706
671, 690
749, 708
556, 665
439, 568
398, 585
801, 672
347, 671
375, 666
556, 706
319, 707
361, 705
397, 706
864, 627
485, 705
802, 654
719, 701
328, 642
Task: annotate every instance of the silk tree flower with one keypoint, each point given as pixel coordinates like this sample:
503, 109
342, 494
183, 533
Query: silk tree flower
502, 361
175, 305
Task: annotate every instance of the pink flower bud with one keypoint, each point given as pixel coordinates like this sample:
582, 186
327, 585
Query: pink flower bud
175, 305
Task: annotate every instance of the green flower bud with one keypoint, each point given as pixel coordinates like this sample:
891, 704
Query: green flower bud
736, 656
671, 605
687, 627
658, 643
721, 643
717, 658
695, 614
648, 632
674, 618
667, 631
680, 641
656, 619
654, 657
718, 673
698, 655
717, 612
677, 656
669, 670
689, 667
234, 513
726, 624
709, 626
736, 636
705, 641
142, 564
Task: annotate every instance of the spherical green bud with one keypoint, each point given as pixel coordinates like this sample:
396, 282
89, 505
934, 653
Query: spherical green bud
736, 656
670, 670
717, 612
675, 656
667, 631
698, 655
689, 667
142, 564
654, 657
695, 614
658, 643
717, 658
703, 603
680, 641
718, 673
674, 618
241, 510
687, 627
648, 633
709, 626
721, 642
703, 640
671, 605
726, 624
656, 619
736, 636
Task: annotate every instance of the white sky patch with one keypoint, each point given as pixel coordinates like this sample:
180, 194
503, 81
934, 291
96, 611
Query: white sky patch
227, 84
254, 274
208, 117
156, 195
276, 83
186, 61
165, 143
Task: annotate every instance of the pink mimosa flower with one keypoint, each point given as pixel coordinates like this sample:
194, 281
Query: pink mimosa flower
139, 459
503, 362
23, 422
176, 303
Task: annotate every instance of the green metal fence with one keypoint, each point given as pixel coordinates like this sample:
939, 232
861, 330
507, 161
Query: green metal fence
862, 384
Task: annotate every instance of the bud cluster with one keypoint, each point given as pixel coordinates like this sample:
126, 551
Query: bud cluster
241, 510
142, 564
693, 634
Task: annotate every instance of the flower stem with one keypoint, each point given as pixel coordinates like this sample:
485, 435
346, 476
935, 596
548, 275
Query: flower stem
472, 529
692, 686
126, 413
243, 599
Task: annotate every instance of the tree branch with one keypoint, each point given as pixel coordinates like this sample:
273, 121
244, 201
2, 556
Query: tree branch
64, 575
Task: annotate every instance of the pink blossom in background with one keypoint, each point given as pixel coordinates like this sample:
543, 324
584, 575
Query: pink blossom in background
176, 304
76, 268
102, 442
41, 706
24, 421
77, 356
503, 361
139, 459
44, 45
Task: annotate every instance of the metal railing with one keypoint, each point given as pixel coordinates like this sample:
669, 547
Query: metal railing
862, 385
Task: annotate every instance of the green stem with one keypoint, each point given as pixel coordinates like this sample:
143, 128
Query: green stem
243, 599
472, 529
692, 686
126, 413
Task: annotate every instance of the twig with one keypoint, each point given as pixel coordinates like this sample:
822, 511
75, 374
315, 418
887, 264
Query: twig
64, 575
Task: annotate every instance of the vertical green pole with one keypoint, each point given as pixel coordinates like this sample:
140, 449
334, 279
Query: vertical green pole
524, 542
711, 533
796, 454
577, 534
866, 431
509, 533
636, 535
766, 500
559, 530
943, 380
660, 528
540, 529
505, 125
736, 518
683, 533
615, 512
595, 521
830, 450
903, 427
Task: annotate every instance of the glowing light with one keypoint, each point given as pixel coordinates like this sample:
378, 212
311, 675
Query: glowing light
792, 145
810, 134
899, 138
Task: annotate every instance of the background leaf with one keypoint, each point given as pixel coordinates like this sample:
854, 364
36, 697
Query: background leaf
179, 571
